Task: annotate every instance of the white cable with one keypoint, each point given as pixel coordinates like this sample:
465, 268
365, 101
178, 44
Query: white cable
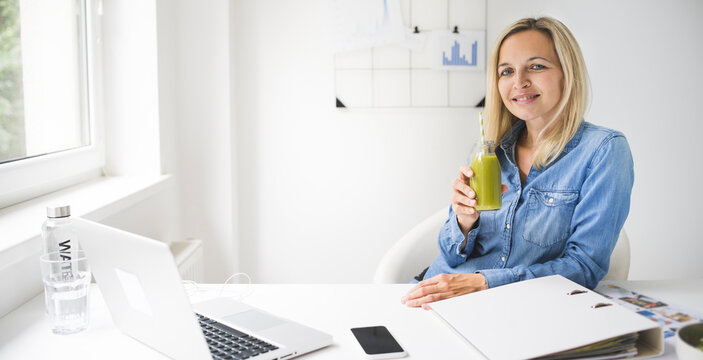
247, 289
193, 287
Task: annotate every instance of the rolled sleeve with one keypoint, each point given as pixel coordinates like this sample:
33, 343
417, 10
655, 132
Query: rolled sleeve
498, 277
451, 239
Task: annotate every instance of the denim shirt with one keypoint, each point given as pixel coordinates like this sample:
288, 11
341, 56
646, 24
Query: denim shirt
565, 219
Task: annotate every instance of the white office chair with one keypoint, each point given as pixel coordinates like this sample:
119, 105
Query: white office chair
418, 248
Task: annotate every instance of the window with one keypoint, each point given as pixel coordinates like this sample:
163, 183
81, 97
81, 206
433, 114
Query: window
48, 136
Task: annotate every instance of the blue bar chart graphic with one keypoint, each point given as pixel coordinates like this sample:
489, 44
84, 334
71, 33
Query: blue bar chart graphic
457, 59
385, 12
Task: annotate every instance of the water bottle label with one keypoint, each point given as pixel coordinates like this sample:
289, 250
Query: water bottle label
64, 249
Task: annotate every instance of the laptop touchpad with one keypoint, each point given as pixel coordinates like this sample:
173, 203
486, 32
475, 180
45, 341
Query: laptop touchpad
253, 320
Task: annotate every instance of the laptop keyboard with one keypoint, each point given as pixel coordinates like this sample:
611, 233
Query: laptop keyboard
227, 343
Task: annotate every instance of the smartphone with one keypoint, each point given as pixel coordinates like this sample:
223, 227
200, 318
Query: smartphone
378, 343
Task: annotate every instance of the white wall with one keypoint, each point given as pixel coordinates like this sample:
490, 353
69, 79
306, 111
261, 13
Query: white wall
641, 57
204, 151
325, 192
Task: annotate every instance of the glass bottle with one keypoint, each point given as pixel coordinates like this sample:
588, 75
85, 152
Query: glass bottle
57, 232
486, 180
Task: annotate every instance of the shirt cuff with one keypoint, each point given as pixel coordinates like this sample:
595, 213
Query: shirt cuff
458, 236
498, 277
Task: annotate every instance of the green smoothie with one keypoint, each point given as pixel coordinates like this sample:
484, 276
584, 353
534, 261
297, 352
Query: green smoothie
486, 179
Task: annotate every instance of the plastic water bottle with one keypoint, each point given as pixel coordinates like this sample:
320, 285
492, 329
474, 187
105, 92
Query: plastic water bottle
57, 232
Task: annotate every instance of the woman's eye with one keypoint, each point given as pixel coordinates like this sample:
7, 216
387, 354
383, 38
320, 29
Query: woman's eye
538, 67
506, 72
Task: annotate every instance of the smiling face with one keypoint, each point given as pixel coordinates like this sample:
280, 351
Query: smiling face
530, 79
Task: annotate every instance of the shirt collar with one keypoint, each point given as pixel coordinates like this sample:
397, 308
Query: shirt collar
576, 139
510, 138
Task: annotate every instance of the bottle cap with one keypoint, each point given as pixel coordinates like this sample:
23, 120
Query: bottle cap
58, 211
490, 145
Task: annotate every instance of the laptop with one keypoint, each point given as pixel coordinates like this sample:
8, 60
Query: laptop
142, 288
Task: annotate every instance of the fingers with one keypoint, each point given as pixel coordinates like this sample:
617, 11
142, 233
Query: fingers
464, 210
460, 198
503, 188
423, 301
465, 173
418, 289
462, 187
430, 290
424, 292
442, 286
463, 198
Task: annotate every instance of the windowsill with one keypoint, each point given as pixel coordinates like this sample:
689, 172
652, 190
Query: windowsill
94, 199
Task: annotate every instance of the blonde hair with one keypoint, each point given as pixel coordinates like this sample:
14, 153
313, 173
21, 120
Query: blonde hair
574, 97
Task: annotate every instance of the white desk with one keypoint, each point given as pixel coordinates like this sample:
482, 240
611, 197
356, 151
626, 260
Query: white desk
25, 334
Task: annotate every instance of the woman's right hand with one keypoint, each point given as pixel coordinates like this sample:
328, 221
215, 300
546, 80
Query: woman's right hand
464, 200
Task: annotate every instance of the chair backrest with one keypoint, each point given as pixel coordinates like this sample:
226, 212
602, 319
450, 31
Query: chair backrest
418, 248
412, 253
620, 259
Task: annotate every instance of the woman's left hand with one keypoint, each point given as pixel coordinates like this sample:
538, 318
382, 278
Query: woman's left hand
443, 286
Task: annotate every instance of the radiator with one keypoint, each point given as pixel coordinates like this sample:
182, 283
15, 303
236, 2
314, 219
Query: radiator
189, 259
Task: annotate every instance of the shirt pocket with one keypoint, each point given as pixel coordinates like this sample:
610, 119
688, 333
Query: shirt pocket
548, 216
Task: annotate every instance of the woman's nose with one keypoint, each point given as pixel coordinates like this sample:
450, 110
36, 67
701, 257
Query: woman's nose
521, 81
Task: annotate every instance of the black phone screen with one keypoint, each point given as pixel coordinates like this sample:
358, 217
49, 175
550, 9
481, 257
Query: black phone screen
376, 340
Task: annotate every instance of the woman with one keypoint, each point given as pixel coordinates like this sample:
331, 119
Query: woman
567, 182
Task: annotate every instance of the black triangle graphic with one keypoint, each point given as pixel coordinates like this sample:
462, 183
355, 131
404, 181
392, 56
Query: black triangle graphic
340, 104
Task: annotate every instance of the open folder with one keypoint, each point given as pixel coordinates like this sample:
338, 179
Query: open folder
549, 317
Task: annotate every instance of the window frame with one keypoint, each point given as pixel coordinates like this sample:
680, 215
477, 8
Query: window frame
33, 176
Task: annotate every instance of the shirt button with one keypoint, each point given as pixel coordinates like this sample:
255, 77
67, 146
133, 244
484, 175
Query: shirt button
507, 226
502, 258
551, 200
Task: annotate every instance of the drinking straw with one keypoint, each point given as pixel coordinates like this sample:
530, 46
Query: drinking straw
480, 125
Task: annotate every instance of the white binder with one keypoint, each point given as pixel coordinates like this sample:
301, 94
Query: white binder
539, 317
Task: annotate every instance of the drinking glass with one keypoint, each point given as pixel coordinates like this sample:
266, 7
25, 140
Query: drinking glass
66, 278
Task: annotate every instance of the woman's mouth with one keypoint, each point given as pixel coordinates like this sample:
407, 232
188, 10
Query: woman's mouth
525, 98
